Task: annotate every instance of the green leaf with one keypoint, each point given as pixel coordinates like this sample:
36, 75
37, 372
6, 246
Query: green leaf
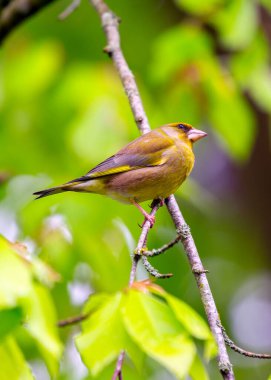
182, 98
228, 111
103, 335
259, 86
254, 57
41, 322
157, 321
236, 23
13, 365
199, 8
191, 320
232, 118
95, 301
12, 267
177, 48
175, 353
33, 300
41, 64
9, 320
153, 326
198, 371
251, 69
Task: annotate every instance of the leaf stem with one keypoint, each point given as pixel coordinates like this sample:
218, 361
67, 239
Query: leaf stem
72, 320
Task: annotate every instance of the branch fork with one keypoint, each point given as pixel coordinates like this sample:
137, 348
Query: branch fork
110, 27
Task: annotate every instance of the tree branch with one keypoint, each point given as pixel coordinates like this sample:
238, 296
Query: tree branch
240, 350
110, 24
16, 11
199, 272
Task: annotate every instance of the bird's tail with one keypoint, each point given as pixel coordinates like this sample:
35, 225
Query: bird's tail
81, 185
51, 191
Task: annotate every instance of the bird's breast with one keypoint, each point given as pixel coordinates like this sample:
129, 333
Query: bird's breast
152, 182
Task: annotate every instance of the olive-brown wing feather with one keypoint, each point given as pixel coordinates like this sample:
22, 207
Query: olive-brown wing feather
146, 151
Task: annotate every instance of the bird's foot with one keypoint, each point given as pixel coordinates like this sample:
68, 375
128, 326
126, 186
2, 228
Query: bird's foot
149, 218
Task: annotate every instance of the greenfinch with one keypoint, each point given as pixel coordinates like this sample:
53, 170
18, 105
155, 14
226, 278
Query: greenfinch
151, 167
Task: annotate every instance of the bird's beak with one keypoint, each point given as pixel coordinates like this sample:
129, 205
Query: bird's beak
196, 134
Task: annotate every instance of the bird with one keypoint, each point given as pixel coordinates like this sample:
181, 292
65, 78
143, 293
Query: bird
151, 167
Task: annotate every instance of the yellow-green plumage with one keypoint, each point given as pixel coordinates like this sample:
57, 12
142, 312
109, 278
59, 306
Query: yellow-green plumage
150, 167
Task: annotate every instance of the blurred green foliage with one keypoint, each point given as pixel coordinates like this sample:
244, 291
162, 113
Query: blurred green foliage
138, 322
62, 111
24, 298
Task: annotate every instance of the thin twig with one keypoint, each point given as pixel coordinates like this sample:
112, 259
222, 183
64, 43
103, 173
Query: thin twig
141, 248
164, 248
155, 252
154, 272
141, 243
136, 257
72, 320
240, 350
16, 11
69, 10
110, 25
118, 370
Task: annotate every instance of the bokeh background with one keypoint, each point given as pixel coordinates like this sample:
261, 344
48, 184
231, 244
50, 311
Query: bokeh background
63, 110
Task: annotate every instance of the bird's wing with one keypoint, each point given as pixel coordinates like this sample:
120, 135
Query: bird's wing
148, 150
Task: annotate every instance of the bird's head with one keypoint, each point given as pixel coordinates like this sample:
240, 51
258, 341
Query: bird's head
187, 132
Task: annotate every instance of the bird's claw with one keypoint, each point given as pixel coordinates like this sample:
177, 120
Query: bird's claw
148, 218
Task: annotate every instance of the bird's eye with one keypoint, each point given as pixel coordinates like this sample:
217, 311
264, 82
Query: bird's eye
183, 127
